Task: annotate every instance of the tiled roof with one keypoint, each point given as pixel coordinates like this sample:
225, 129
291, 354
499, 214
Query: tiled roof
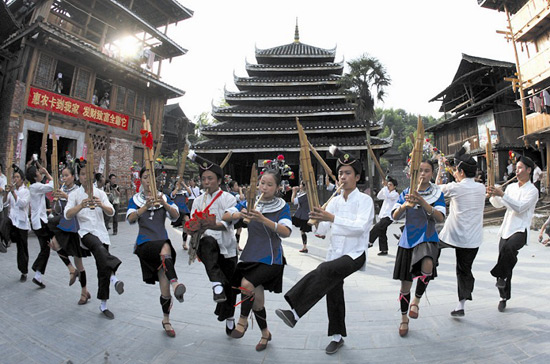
247, 95
290, 143
296, 49
172, 11
284, 111
285, 126
295, 66
286, 80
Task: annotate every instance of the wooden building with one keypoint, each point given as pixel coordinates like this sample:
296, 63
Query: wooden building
528, 29
288, 81
176, 127
86, 67
479, 97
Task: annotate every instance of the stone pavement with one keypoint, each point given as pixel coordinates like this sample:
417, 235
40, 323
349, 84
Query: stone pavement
47, 326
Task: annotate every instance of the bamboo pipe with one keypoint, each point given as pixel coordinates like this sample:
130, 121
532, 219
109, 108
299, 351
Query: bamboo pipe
250, 208
226, 159
315, 222
320, 160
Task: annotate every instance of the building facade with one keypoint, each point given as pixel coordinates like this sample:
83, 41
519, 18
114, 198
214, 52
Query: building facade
479, 97
85, 67
291, 81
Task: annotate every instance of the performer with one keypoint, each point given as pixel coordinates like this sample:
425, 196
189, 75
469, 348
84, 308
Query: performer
39, 218
237, 191
348, 217
519, 200
218, 246
463, 228
262, 261
156, 254
418, 249
66, 241
180, 198
193, 192
94, 235
17, 198
301, 216
114, 190
379, 231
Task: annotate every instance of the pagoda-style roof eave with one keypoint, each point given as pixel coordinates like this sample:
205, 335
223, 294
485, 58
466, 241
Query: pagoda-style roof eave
285, 84
294, 67
221, 116
286, 131
287, 149
283, 98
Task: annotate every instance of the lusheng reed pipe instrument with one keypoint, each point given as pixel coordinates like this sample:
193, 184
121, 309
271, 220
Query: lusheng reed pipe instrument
332, 196
226, 159
149, 157
490, 160
323, 163
377, 164
416, 157
308, 175
183, 161
89, 185
55, 165
9, 159
251, 194
44, 146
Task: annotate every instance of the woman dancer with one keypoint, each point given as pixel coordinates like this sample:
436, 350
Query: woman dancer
17, 197
418, 250
301, 216
154, 249
66, 241
262, 261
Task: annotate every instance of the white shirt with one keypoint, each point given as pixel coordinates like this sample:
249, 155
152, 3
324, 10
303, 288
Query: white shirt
19, 210
349, 233
464, 225
90, 221
510, 168
520, 205
537, 174
3, 181
390, 198
225, 238
38, 192
195, 192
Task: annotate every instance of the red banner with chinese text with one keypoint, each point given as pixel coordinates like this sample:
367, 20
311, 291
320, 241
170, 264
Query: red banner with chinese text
61, 104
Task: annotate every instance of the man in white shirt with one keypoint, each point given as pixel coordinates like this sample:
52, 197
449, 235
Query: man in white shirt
217, 247
537, 177
348, 219
463, 228
39, 219
519, 200
94, 235
379, 231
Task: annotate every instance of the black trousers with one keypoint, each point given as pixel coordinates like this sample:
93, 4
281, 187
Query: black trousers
115, 219
327, 279
44, 236
21, 237
379, 231
106, 263
219, 269
507, 259
464, 278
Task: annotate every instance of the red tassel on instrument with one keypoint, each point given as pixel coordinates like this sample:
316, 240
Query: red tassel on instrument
146, 138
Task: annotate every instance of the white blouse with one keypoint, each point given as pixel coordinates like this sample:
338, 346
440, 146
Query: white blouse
19, 210
38, 192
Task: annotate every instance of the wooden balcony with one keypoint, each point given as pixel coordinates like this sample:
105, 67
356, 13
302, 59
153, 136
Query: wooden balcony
536, 69
537, 122
530, 21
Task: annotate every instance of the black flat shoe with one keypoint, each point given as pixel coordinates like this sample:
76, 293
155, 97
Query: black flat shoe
108, 314
334, 346
303, 250
179, 291
119, 287
457, 313
287, 316
502, 306
383, 253
228, 331
219, 297
23, 278
39, 284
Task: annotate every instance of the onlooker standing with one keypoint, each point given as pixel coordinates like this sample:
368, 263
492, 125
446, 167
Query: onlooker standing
114, 190
379, 231
537, 177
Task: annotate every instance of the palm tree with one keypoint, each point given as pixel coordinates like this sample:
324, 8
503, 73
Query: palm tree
366, 80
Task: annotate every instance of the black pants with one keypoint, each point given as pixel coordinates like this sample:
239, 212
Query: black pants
44, 236
106, 263
327, 279
537, 185
507, 259
464, 278
219, 269
379, 232
21, 237
115, 219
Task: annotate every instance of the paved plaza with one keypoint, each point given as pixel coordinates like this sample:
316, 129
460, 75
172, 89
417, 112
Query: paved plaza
47, 325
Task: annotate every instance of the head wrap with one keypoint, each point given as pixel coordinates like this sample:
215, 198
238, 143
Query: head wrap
465, 161
345, 159
527, 161
205, 165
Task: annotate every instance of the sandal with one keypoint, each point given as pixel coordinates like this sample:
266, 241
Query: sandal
170, 332
261, 346
412, 314
84, 298
179, 291
73, 276
236, 334
404, 331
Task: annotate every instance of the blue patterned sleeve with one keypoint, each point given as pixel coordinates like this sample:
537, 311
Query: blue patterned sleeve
131, 208
440, 206
285, 218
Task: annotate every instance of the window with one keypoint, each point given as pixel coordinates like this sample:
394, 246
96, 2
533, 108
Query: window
63, 78
138, 156
102, 92
45, 68
82, 84
130, 102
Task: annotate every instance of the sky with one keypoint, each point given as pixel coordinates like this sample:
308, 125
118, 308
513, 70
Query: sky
419, 42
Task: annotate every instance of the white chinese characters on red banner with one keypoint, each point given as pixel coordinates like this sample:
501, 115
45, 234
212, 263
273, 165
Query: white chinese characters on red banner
50, 101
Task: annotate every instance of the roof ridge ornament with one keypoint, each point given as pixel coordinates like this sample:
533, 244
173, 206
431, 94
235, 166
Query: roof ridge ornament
296, 33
